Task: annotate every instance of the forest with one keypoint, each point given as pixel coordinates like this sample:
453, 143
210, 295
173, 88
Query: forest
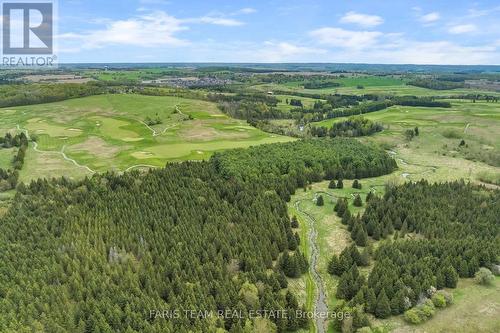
9, 177
436, 84
450, 233
353, 127
104, 252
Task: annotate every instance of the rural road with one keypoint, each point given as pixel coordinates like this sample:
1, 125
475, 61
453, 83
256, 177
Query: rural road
320, 307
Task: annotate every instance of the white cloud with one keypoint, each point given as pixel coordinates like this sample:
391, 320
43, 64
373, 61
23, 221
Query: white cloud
338, 37
430, 17
439, 52
217, 20
247, 10
462, 29
284, 51
154, 29
145, 30
474, 12
363, 20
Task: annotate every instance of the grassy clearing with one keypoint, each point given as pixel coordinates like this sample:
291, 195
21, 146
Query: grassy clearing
303, 287
283, 106
332, 237
476, 309
108, 132
6, 156
436, 153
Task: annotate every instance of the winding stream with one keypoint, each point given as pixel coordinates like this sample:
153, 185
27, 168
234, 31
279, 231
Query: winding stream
320, 306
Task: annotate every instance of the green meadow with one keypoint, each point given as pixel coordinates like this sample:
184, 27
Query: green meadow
367, 85
110, 132
436, 154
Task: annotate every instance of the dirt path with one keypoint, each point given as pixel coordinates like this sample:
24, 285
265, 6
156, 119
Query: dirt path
466, 128
320, 306
407, 175
155, 132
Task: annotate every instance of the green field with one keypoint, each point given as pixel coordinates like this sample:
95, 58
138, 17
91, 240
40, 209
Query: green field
108, 132
379, 88
435, 154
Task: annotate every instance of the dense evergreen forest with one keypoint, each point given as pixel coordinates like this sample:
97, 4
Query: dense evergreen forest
437, 84
352, 127
8, 177
107, 254
285, 167
450, 233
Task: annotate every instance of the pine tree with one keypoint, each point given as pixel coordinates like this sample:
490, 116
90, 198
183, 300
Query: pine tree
340, 184
371, 301
369, 196
332, 185
356, 184
320, 201
334, 265
450, 277
383, 309
357, 201
361, 237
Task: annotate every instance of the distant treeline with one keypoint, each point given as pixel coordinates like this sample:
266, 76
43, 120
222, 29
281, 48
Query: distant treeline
27, 94
322, 110
352, 127
316, 84
437, 84
479, 97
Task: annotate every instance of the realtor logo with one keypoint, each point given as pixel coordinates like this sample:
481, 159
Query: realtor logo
28, 28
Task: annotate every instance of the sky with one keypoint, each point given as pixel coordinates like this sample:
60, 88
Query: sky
345, 31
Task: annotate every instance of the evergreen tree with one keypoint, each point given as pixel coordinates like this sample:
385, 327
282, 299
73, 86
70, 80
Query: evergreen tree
383, 308
357, 201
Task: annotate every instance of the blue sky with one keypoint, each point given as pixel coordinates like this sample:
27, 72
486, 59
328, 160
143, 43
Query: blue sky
388, 31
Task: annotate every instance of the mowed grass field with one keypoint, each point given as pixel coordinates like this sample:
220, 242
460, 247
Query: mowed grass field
109, 132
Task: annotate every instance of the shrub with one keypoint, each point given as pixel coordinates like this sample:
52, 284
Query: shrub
427, 309
484, 276
412, 316
438, 300
447, 296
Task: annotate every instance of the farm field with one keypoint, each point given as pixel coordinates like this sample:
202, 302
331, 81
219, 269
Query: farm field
389, 89
109, 132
